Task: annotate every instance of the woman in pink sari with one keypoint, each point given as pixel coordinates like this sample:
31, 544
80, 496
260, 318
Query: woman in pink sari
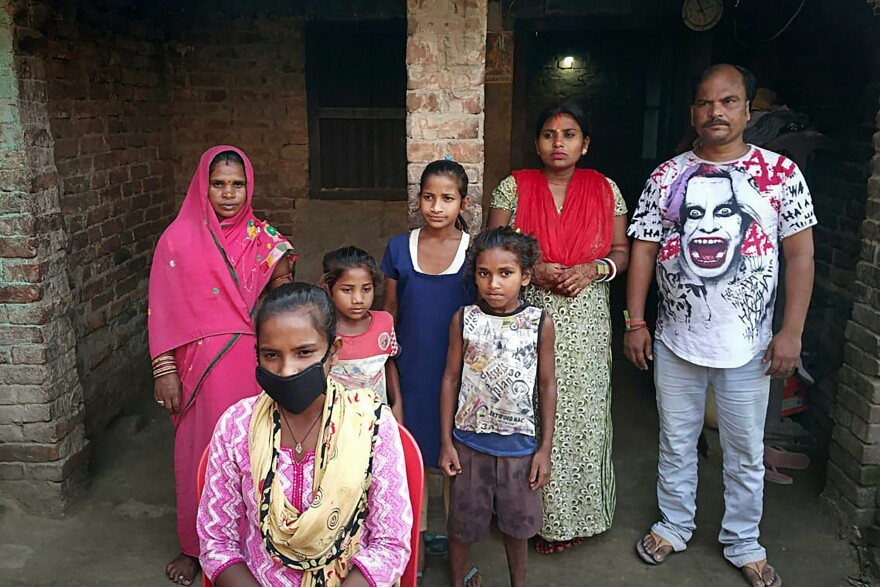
210, 268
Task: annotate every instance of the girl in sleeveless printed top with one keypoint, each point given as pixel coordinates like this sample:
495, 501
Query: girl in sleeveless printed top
501, 355
369, 343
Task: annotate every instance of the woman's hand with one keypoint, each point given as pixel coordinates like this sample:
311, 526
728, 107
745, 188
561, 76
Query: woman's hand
546, 275
167, 391
573, 280
355, 578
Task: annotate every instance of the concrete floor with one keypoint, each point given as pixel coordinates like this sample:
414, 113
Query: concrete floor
123, 534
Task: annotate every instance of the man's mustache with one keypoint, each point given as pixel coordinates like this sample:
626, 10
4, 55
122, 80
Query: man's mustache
716, 122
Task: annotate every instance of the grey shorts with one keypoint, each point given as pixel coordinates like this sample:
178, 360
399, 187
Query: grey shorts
487, 485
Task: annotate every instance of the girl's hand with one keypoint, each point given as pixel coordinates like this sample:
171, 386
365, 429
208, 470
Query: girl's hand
449, 463
573, 280
355, 578
546, 275
539, 475
167, 392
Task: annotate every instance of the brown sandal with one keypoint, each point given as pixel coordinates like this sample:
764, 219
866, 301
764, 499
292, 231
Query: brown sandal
756, 571
659, 542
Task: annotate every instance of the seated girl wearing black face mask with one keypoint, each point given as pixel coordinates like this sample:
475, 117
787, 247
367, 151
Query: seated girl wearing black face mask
306, 483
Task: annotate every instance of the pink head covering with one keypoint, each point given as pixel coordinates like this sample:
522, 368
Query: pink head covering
206, 276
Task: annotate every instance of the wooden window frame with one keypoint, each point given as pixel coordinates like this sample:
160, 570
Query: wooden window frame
316, 113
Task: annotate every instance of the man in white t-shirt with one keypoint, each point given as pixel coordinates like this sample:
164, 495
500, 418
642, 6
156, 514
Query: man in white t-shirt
709, 224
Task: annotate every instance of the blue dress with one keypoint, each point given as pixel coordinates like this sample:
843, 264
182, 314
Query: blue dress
425, 306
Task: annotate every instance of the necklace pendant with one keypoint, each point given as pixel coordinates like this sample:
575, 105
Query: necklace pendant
298, 449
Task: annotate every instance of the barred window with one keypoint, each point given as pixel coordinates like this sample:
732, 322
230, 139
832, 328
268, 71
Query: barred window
356, 87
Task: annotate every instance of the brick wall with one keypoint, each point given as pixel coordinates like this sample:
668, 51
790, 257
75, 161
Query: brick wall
241, 80
854, 468
445, 55
42, 438
108, 108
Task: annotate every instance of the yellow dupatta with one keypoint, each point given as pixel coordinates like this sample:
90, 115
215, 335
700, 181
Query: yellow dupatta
322, 540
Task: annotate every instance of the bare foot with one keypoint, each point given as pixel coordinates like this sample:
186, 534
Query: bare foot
543, 546
183, 569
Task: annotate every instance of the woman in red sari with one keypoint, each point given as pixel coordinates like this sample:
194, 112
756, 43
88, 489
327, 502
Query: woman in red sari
209, 270
579, 219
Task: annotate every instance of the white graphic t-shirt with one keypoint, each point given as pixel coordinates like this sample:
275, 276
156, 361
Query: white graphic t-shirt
499, 371
719, 226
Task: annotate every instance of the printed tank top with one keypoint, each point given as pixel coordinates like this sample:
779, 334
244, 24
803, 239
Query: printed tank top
499, 371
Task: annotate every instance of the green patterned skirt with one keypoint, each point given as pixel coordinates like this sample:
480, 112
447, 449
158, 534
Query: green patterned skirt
579, 501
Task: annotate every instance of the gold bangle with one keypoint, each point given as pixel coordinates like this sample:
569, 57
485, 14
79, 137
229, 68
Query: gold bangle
160, 372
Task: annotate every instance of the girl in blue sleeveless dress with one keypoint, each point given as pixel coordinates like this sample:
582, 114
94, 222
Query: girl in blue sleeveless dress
426, 285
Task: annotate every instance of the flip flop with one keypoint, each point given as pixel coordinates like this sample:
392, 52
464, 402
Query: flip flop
774, 476
470, 574
648, 557
784, 459
753, 571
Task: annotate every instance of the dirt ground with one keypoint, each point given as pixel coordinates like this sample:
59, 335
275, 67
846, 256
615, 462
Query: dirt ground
122, 532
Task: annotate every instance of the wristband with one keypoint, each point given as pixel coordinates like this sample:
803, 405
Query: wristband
633, 324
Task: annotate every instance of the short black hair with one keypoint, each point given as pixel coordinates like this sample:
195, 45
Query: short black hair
567, 107
299, 296
454, 170
525, 247
227, 157
338, 261
750, 82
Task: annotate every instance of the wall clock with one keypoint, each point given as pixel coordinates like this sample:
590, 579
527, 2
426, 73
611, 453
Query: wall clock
701, 15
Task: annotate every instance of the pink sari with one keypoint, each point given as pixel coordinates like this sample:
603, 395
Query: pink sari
205, 281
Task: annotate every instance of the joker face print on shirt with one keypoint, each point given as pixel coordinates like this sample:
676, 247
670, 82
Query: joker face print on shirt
712, 209
712, 228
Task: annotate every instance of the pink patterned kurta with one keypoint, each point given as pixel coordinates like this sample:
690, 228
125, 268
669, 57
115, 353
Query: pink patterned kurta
229, 498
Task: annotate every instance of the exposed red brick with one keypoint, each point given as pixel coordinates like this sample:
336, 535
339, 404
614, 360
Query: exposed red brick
20, 293
18, 247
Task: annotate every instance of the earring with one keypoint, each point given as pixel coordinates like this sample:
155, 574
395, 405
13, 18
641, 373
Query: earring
584, 152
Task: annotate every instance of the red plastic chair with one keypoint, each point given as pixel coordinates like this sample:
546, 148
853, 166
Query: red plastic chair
415, 480
200, 484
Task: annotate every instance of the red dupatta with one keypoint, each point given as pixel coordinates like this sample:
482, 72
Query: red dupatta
583, 231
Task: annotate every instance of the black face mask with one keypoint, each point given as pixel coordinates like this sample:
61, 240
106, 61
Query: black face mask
298, 391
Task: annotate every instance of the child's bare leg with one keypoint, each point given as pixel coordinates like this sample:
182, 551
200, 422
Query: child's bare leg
517, 552
459, 565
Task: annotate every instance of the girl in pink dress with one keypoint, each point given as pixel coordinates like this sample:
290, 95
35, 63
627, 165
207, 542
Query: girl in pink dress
305, 483
369, 343
209, 269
